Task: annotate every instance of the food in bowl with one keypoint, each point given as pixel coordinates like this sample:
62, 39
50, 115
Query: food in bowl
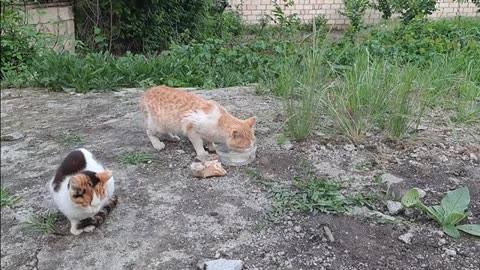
230, 157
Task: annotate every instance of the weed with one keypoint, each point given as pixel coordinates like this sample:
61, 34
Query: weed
43, 224
7, 198
281, 139
134, 158
451, 211
72, 139
315, 195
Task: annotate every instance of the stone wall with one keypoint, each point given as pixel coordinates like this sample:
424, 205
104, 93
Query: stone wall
254, 10
54, 19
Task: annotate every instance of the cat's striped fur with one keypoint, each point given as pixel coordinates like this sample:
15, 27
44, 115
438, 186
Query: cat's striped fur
99, 218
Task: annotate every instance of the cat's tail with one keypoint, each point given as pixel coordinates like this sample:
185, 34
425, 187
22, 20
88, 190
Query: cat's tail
99, 217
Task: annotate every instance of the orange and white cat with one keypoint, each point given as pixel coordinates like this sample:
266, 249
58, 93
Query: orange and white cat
170, 112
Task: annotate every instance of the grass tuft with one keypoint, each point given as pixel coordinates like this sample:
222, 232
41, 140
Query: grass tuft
72, 139
7, 198
134, 158
43, 224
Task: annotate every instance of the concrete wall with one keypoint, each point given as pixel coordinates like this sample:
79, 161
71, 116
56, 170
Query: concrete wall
254, 10
55, 19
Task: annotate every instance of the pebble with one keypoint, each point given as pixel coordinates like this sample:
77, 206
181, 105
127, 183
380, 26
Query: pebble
421, 192
394, 207
450, 252
287, 145
297, 229
221, 264
349, 147
390, 179
406, 238
443, 158
442, 241
473, 156
329, 234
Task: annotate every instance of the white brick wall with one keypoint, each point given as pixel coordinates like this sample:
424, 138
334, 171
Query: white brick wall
254, 10
55, 20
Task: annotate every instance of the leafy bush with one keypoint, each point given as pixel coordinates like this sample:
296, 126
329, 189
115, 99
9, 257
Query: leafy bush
408, 10
355, 11
150, 26
419, 42
19, 42
209, 64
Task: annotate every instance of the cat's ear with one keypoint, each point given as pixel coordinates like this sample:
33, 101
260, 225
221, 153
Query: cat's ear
104, 176
251, 121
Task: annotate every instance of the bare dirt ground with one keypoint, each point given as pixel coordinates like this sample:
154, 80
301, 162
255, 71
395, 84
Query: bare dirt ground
166, 219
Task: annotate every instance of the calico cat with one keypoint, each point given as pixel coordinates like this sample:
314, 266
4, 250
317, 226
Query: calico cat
83, 191
170, 112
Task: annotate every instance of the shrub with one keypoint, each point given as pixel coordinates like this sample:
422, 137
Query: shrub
19, 42
420, 42
355, 11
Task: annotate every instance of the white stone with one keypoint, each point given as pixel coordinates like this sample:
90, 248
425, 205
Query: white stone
406, 238
349, 147
394, 207
421, 192
390, 179
222, 264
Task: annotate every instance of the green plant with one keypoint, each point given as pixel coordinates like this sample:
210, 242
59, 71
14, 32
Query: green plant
408, 9
414, 9
372, 94
355, 12
7, 199
43, 224
467, 109
137, 26
134, 158
72, 139
451, 211
312, 196
20, 42
288, 22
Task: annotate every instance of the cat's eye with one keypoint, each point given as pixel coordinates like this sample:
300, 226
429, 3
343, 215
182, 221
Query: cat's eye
79, 194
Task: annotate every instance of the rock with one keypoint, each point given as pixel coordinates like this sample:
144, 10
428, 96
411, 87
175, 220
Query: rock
442, 241
207, 169
421, 192
12, 136
349, 147
297, 229
329, 234
406, 238
473, 157
443, 158
394, 207
220, 264
450, 252
391, 179
287, 145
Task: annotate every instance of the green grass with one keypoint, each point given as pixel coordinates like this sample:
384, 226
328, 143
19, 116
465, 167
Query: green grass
7, 198
43, 224
134, 158
72, 139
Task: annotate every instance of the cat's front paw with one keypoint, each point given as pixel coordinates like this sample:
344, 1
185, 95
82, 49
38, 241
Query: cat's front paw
89, 228
75, 231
